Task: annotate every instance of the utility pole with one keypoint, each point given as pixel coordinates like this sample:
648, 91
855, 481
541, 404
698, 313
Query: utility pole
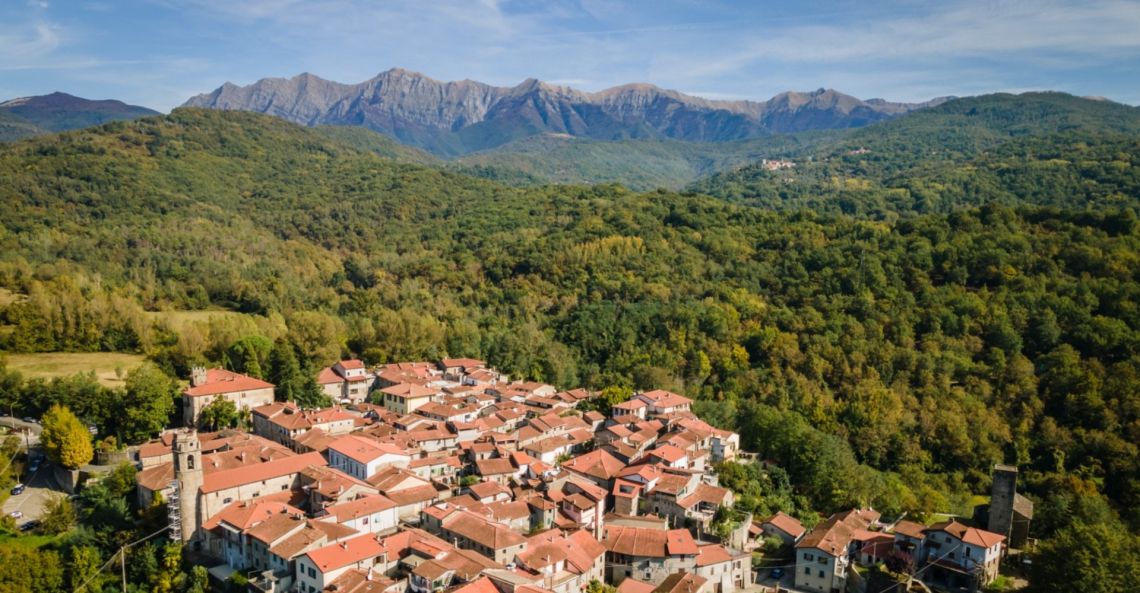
123, 565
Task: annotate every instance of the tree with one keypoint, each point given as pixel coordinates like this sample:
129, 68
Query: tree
121, 480
65, 439
284, 370
83, 569
199, 581
30, 570
317, 336
597, 586
1088, 557
250, 355
170, 575
220, 413
148, 403
58, 515
310, 395
609, 397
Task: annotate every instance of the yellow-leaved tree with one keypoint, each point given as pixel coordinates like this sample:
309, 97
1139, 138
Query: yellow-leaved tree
65, 439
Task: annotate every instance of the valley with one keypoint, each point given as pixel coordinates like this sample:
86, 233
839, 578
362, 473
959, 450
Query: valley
880, 315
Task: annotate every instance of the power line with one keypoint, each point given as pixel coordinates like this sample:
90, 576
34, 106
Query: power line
122, 551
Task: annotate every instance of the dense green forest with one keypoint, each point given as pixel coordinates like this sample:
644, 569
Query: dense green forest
636, 164
884, 351
1038, 148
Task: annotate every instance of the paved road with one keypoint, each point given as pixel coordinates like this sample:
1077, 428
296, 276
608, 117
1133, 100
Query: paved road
40, 486
786, 583
28, 431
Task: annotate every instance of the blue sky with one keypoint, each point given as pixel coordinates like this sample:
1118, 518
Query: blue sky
157, 53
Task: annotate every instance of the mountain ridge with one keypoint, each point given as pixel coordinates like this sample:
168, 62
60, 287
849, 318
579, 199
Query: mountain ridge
451, 118
59, 111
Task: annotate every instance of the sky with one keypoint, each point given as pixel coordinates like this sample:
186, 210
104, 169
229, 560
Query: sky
158, 53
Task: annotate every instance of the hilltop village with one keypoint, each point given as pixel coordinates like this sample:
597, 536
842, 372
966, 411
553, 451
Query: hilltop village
449, 476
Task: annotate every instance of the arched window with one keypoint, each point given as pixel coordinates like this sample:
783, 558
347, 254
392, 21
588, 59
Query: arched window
189, 462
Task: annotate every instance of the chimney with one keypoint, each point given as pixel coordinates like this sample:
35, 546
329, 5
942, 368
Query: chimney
197, 376
344, 545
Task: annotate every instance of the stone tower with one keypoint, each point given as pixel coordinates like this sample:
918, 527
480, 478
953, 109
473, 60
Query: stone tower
188, 473
1002, 495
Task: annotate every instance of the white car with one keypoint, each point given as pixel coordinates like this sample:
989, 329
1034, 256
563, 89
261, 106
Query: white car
16, 514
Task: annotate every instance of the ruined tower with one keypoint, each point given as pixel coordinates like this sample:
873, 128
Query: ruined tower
188, 474
1002, 495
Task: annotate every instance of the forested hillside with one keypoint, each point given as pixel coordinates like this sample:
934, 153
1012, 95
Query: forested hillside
639, 164
1037, 148
886, 362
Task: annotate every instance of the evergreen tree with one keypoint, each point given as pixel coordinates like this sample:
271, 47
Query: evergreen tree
284, 371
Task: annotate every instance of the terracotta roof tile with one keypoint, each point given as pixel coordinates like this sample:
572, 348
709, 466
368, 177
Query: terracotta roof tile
349, 551
223, 381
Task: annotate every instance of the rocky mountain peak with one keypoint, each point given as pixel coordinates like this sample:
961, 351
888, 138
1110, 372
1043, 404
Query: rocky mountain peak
428, 113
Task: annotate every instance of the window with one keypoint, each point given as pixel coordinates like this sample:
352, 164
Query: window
807, 570
227, 500
808, 557
821, 574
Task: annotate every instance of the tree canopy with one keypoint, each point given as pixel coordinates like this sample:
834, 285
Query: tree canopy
65, 439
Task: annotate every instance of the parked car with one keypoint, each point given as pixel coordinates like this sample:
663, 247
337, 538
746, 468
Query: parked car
30, 525
18, 489
16, 514
29, 420
34, 466
777, 573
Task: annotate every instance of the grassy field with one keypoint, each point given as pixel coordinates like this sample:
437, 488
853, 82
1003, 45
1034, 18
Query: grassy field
60, 364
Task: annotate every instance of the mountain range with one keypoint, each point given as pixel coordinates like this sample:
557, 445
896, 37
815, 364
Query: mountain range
456, 118
59, 112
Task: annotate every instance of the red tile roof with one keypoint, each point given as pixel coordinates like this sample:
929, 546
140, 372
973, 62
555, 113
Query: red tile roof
244, 514
648, 542
910, 529
466, 363
665, 399
632, 585
480, 585
410, 390
786, 523
833, 535
597, 464
712, 554
221, 480
668, 453
969, 535
349, 551
364, 450
365, 505
681, 582
478, 529
223, 381
494, 467
327, 376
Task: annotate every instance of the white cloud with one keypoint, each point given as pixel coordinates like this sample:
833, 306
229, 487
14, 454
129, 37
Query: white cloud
960, 30
20, 43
